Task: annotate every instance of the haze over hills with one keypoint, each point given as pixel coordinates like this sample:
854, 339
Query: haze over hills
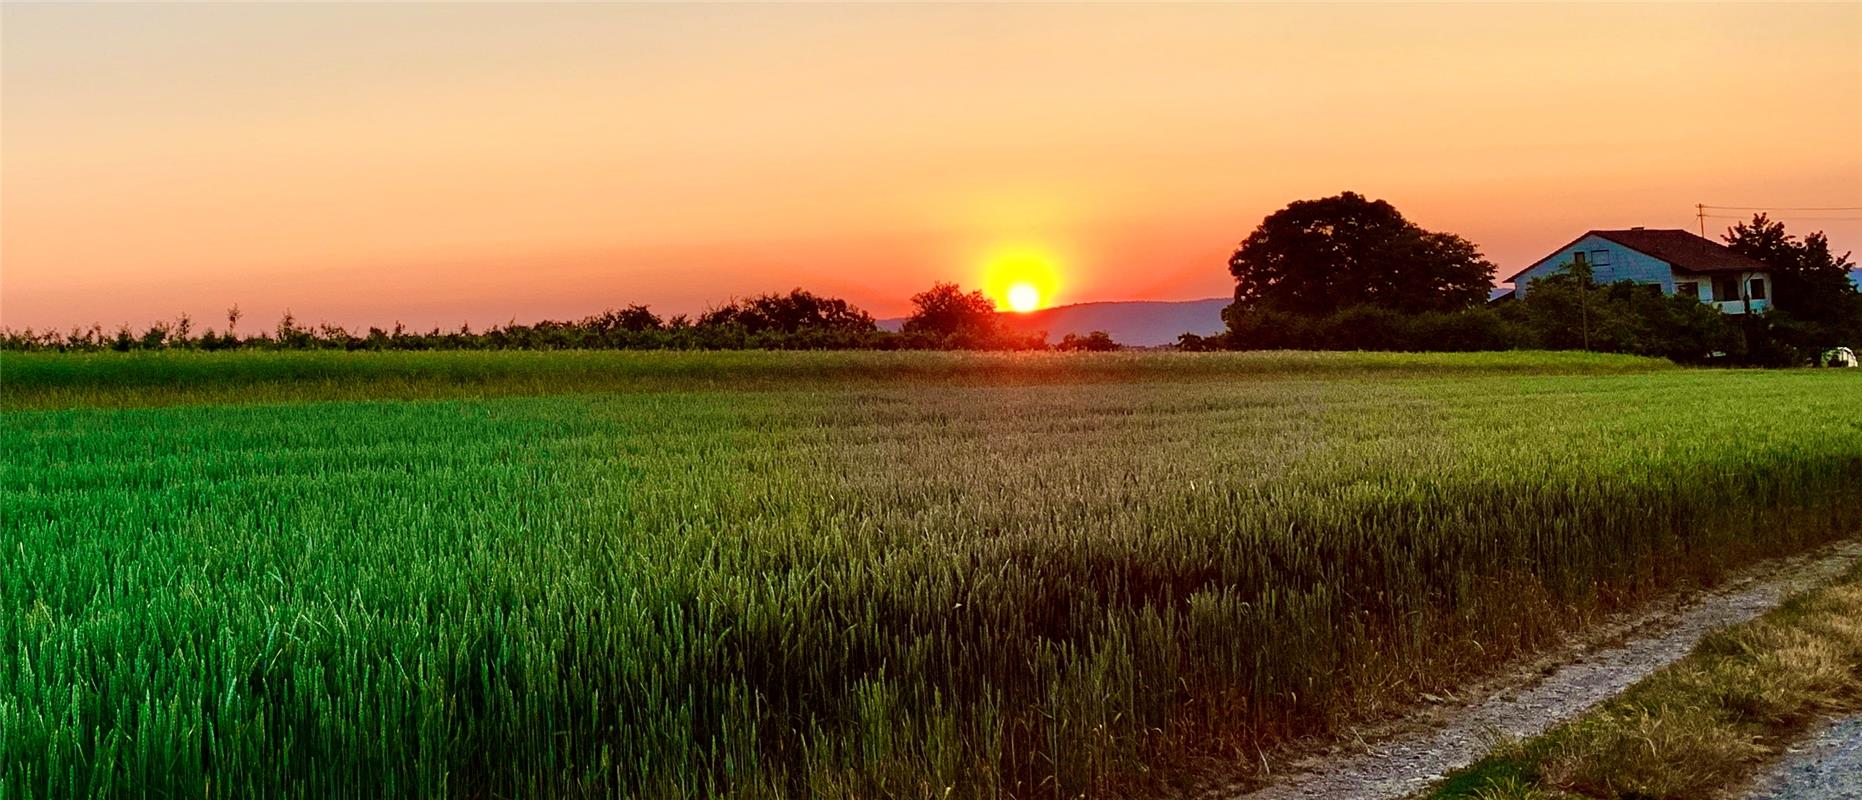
1139, 323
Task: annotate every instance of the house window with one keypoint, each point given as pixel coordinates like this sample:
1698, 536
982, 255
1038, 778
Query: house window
1726, 287
1600, 258
1688, 289
1578, 259
1757, 286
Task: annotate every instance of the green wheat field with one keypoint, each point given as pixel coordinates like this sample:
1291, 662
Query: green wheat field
832, 574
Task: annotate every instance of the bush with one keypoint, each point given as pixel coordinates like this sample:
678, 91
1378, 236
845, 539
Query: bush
1373, 328
1097, 341
1565, 311
798, 320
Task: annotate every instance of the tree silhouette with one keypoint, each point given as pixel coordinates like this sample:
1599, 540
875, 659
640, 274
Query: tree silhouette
1316, 257
633, 319
1810, 284
945, 310
794, 312
1095, 342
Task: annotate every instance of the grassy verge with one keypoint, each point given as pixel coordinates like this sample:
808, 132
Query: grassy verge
1703, 724
58, 380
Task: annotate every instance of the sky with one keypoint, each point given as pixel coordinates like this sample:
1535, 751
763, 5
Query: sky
439, 164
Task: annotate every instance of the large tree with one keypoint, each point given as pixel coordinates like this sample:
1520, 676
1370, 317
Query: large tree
1810, 284
1316, 257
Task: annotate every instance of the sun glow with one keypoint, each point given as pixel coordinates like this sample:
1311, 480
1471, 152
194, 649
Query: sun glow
1021, 278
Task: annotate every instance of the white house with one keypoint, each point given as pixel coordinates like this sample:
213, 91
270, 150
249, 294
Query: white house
1677, 261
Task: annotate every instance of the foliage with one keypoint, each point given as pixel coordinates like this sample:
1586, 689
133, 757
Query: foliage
1348, 273
632, 319
1372, 328
1319, 257
1567, 310
829, 574
793, 313
946, 319
1196, 343
945, 310
630, 328
1097, 341
1818, 306
1810, 283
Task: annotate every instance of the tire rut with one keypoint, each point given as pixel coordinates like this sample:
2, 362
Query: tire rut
1405, 757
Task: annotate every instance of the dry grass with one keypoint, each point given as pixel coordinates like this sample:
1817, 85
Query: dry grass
1704, 724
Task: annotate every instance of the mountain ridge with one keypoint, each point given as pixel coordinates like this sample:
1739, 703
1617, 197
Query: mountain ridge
1137, 323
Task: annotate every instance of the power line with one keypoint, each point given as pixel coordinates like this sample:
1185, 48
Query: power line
1781, 208
1741, 216
1700, 213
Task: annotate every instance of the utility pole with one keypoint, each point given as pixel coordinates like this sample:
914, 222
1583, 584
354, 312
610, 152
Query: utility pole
1584, 304
1700, 213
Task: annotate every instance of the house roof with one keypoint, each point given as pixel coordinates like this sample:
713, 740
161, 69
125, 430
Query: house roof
1682, 250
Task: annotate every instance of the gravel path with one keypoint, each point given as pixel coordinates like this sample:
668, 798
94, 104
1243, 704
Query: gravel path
1828, 766
1412, 754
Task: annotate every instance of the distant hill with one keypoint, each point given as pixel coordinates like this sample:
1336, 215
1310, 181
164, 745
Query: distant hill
1141, 323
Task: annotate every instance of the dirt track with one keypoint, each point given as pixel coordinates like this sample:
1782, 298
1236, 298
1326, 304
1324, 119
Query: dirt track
1827, 766
1403, 758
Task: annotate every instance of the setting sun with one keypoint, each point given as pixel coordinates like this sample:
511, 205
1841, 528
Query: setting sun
1024, 297
1021, 277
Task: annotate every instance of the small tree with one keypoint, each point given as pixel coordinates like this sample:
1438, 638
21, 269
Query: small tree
1196, 343
290, 335
632, 319
156, 337
1819, 307
791, 313
1097, 342
946, 311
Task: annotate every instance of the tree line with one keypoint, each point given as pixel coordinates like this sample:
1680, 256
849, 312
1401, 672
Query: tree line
943, 317
1349, 273
1337, 273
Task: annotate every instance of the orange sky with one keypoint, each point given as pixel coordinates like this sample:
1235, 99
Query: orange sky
446, 163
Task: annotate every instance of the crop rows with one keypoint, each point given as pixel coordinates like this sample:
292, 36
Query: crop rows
856, 588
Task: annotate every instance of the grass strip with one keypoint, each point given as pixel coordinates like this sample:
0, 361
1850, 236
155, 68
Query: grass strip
1703, 724
37, 381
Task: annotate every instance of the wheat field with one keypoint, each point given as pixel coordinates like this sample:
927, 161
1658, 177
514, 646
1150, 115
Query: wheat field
831, 575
